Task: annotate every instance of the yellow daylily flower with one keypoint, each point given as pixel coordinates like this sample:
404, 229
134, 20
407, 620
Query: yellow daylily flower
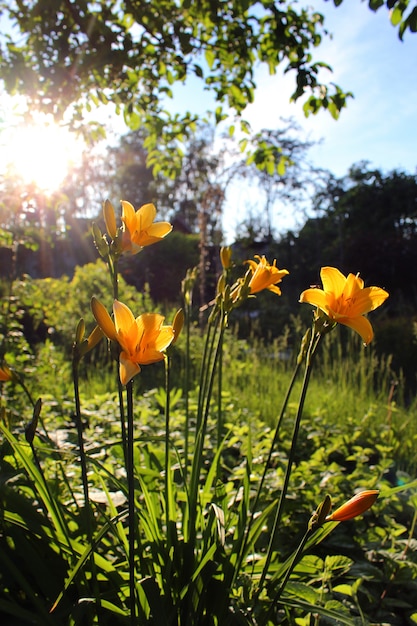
345, 300
354, 507
142, 339
265, 275
139, 227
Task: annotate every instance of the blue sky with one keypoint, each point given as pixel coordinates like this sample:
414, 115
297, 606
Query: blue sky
367, 57
379, 124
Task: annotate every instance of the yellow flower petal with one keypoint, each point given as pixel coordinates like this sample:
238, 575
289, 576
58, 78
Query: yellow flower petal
127, 368
333, 280
165, 337
367, 300
159, 229
361, 325
145, 216
103, 319
128, 215
95, 336
274, 289
123, 317
316, 297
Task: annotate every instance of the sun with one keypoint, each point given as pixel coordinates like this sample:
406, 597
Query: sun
42, 153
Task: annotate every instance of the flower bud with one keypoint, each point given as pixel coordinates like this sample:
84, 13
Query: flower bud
177, 324
100, 242
110, 218
226, 257
354, 507
5, 374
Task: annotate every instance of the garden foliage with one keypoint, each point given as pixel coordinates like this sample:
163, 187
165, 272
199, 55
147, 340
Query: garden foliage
177, 504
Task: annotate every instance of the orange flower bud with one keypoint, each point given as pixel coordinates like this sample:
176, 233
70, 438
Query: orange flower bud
177, 324
226, 257
110, 219
354, 507
5, 374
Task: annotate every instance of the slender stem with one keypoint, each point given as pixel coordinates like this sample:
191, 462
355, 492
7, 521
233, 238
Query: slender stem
266, 467
295, 559
115, 278
315, 339
33, 402
201, 432
84, 476
206, 366
131, 502
78, 420
122, 419
219, 392
167, 463
114, 275
186, 387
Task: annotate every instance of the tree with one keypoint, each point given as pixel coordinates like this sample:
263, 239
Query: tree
367, 222
81, 53
278, 163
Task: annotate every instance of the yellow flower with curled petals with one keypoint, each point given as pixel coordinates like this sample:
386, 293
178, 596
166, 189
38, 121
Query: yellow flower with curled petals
354, 507
142, 340
265, 275
345, 300
140, 230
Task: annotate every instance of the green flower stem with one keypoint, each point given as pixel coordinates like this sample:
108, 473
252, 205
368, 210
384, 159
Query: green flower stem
113, 265
168, 485
205, 366
84, 475
78, 421
314, 342
115, 279
295, 559
264, 473
131, 502
204, 409
219, 387
187, 383
122, 419
33, 403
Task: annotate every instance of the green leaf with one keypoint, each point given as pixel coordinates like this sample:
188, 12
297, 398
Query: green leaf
412, 20
336, 617
281, 167
343, 588
210, 57
375, 4
396, 16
